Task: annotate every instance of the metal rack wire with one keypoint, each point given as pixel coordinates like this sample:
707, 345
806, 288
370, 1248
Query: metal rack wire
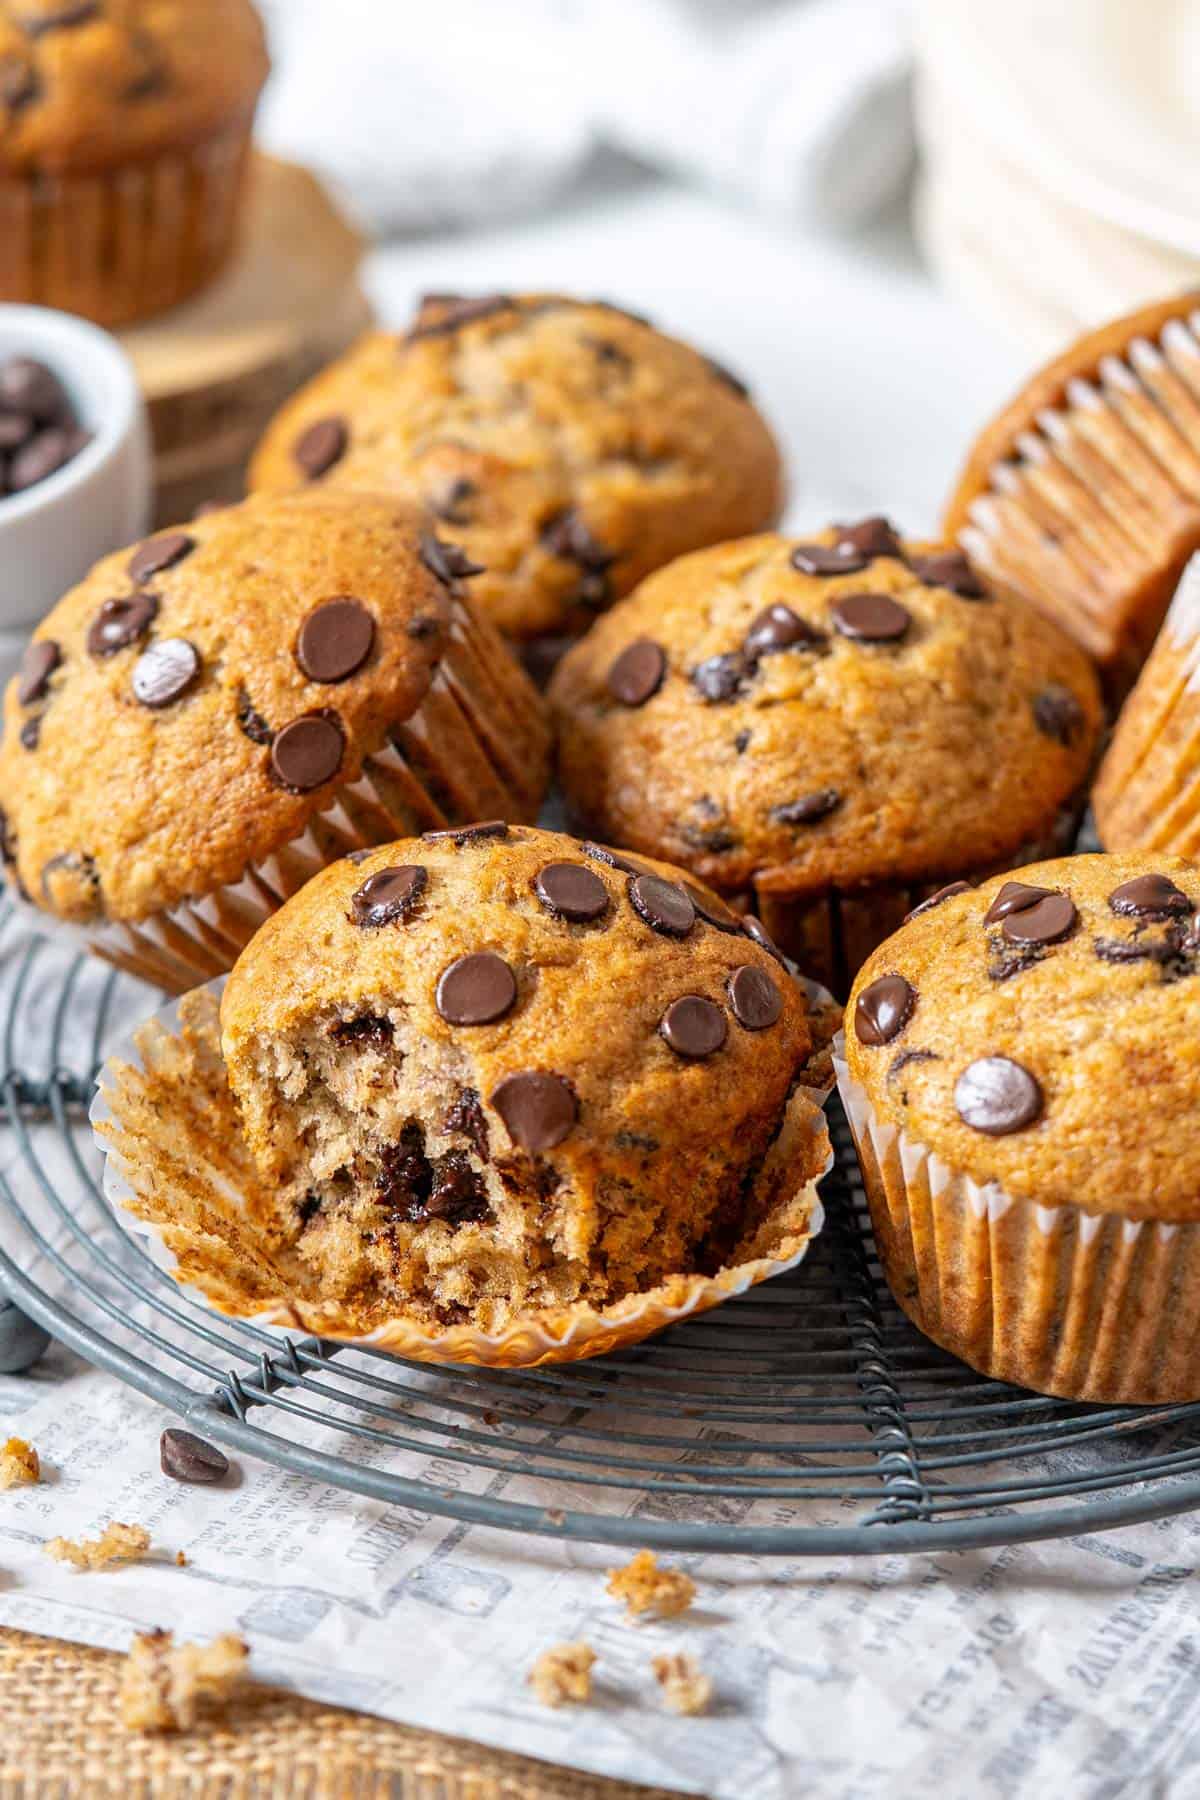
807, 1418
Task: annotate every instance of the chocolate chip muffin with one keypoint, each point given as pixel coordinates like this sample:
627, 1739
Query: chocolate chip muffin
566, 445
209, 718
827, 730
124, 139
1022, 1080
489, 1072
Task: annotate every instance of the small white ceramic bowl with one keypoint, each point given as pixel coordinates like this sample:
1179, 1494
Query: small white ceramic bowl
51, 534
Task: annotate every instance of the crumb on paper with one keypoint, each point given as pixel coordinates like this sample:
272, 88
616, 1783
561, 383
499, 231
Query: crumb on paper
180, 1560
647, 1588
117, 1543
564, 1672
164, 1685
19, 1464
684, 1685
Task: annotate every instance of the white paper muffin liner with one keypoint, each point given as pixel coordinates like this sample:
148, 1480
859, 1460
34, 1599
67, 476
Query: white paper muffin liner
1087, 1306
206, 1239
476, 748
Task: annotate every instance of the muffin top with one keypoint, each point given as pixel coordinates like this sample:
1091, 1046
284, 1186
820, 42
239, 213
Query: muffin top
193, 702
800, 715
567, 445
88, 84
585, 999
1038, 1031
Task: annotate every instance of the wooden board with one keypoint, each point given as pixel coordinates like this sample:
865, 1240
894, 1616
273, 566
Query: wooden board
214, 370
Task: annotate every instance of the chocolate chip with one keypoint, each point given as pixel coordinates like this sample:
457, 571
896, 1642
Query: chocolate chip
467, 834
1005, 961
693, 1027
809, 809
568, 535
335, 639
728, 377
31, 732
165, 672
757, 932
19, 82
28, 386
779, 628
1058, 714
320, 446
440, 315
307, 753
712, 909
822, 559
662, 904
476, 990
1047, 922
388, 895
570, 891
721, 678
871, 537
159, 553
943, 893
38, 664
1149, 897
41, 457
638, 672
457, 1195
367, 1029
1013, 897
871, 618
15, 429
996, 1096
754, 998
452, 501
883, 1009
741, 742
185, 1457
121, 622
448, 563
466, 1118
538, 1110
251, 722
613, 858
60, 18
949, 569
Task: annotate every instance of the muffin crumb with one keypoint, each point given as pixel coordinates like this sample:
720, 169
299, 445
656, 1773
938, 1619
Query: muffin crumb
117, 1543
164, 1685
20, 1465
684, 1686
563, 1673
647, 1588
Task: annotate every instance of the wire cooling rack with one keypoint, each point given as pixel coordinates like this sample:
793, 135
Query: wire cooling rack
807, 1418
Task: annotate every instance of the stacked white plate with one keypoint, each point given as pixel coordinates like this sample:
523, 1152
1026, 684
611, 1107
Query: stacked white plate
1059, 140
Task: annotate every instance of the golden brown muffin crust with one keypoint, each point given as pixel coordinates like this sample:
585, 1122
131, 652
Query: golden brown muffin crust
89, 84
568, 446
1102, 1019
829, 760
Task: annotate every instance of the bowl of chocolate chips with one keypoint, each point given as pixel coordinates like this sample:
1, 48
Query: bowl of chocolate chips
75, 475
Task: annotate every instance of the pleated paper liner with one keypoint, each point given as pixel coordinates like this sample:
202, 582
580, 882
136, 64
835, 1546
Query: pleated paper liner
1085, 1306
1083, 496
476, 748
1147, 795
179, 1177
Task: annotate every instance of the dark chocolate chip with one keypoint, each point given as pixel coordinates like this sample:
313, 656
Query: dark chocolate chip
1005, 961
448, 563
185, 1457
1014, 897
638, 672
728, 377
943, 893
251, 722
1058, 714
883, 1009
59, 18
159, 553
452, 501
996, 1096
457, 1194
712, 909
38, 664
31, 732
779, 628
613, 858
693, 1027
538, 1110
476, 990
165, 671
825, 559
307, 753
872, 537
568, 535
467, 834
871, 618
1149, 897
368, 1029
570, 891
720, 678
1047, 922
758, 933
741, 742
28, 386
41, 457
335, 639
320, 446
755, 999
662, 904
466, 1119
809, 809
440, 315
121, 622
949, 569
388, 895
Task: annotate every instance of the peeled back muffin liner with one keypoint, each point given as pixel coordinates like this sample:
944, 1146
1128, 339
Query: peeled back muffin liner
1147, 795
1083, 499
123, 243
1085, 1306
476, 748
169, 1130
